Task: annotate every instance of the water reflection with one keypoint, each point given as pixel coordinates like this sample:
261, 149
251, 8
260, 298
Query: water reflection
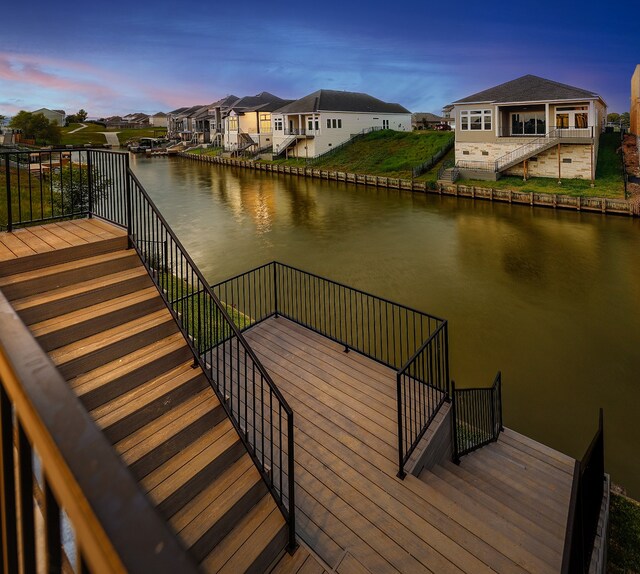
551, 298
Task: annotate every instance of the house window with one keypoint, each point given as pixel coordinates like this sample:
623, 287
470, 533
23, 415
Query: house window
265, 123
334, 123
340, 124
310, 124
277, 124
317, 124
528, 123
233, 124
575, 117
385, 124
475, 120
328, 123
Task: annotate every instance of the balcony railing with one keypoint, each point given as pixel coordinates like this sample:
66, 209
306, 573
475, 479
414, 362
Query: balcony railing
101, 183
59, 470
296, 132
412, 343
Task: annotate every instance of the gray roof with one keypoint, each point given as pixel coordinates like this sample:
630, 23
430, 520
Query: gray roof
338, 101
529, 89
159, 115
225, 102
263, 101
429, 117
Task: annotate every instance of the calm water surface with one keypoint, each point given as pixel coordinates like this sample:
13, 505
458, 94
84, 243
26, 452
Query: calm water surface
550, 298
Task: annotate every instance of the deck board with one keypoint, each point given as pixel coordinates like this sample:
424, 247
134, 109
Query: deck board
350, 503
53, 236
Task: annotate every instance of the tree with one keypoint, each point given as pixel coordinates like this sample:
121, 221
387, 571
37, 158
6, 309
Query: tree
71, 188
81, 115
613, 118
625, 119
37, 127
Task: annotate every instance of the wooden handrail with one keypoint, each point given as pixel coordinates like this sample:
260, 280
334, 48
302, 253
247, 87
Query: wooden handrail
117, 529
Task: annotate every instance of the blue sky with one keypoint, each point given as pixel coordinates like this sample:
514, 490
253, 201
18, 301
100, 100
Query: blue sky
115, 57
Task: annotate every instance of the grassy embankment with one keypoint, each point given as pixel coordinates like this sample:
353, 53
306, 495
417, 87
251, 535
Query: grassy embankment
205, 151
608, 181
624, 536
385, 153
91, 134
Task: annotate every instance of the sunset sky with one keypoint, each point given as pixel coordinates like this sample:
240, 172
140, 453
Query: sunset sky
114, 57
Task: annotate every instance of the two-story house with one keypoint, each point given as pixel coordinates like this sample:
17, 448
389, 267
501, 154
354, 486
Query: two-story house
316, 123
529, 126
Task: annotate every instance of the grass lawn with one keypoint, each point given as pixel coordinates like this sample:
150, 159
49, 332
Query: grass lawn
624, 536
207, 151
608, 181
88, 135
91, 134
385, 152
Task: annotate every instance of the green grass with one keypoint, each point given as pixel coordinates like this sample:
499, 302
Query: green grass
88, 135
624, 536
91, 134
608, 181
385, 152
207, 151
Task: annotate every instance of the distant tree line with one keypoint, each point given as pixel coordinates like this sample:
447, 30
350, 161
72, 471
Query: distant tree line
77, 118
623, 119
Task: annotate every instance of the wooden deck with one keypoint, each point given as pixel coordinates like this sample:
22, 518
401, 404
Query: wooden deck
504, 509
30, 243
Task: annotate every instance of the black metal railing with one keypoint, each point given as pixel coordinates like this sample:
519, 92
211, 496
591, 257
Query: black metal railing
435, 158
586, 501
45, 185
476, 417
409, 341
104, 186
422, 388
295, 131
58, 513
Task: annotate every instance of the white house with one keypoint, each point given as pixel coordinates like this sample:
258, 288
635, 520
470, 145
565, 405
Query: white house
248, 125
57, 116
158, 120
312, 125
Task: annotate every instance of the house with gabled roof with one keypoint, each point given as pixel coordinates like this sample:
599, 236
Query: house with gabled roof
57, 116
247, 124
529, 126
324, 119
158, 120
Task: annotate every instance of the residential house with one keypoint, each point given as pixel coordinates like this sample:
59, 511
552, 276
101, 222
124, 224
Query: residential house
324, 119
635, 102
248, 122
426, 121
181, 124
529, 126
449, 118
158, 120
57, 116
218, 111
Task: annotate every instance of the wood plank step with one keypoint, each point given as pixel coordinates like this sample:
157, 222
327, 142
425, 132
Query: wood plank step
187, 477
108, 381
511, 515
155, 443
20, 285
46, 305
261, 550
91, 352
134, 409
550, 456
217, 519
225, 554
61, 255
82, 323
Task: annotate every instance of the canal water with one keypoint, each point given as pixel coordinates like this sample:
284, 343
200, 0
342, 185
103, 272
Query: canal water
550, 298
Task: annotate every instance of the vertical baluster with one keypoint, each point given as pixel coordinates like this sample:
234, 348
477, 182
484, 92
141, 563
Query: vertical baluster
25, 478
53, 538
8, 486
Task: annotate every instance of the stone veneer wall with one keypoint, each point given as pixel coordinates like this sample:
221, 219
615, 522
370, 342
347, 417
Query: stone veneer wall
546, 164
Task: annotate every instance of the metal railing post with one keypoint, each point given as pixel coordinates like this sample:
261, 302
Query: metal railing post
90, 183
446, 359
401, 474
275, 287
500, 399
293, 544
454, 425
127, 176
8, 181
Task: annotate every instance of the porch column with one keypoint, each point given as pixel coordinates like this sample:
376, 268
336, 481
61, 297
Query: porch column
498, 121
546, 118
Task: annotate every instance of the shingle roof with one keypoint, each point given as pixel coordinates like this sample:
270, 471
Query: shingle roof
529, 89
159, 115
262, 101
225, 102
419, 116
338, 101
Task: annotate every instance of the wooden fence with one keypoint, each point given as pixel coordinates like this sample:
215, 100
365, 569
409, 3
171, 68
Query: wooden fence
533, 199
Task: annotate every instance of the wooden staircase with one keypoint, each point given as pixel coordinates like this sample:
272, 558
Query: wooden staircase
105, 326
516, 492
